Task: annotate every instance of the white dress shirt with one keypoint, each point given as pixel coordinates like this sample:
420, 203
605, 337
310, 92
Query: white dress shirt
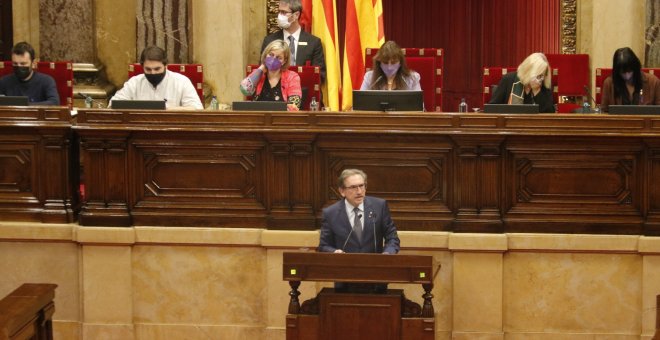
351, 213
175, 88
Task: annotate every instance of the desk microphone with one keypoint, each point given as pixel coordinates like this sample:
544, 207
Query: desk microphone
89, 100
349, 235
372, 217
588, 93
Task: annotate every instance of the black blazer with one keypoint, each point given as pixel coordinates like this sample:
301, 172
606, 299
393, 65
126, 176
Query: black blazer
312, 52
503, 91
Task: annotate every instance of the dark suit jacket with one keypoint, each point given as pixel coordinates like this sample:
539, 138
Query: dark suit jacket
312, 52
335, 229
503, 91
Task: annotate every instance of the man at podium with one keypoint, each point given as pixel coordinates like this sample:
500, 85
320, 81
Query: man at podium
358, 223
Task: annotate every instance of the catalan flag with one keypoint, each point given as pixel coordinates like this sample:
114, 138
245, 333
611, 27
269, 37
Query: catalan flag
364, 29
324, 26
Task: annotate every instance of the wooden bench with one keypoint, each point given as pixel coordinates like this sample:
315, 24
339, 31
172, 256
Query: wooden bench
26, 313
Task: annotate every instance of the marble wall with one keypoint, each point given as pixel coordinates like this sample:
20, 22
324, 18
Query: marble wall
67, 30
652, 36
167, 24
214, 283
115, 37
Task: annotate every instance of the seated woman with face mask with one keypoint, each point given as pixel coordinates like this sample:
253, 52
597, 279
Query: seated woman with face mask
530, 84
628, 85
272, 80
390, 71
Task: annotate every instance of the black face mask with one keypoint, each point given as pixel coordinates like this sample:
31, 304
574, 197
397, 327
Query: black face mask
155, 78
22, 72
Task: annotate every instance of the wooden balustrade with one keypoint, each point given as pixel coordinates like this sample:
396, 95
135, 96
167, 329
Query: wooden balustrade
27, 312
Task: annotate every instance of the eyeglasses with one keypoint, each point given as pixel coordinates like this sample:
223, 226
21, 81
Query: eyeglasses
283, 12
356, 187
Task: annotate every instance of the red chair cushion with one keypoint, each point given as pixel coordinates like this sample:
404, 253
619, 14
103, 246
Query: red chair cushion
61, 71
194, 72
310, 79
429, 63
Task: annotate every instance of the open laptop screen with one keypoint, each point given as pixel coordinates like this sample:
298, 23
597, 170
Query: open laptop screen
374, 100
138, 104
634, 109
14, 101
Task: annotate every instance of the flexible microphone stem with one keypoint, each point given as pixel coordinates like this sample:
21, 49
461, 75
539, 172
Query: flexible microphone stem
586, 90
349, 235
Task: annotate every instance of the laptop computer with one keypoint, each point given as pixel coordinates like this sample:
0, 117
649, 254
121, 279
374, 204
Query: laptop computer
259, 106
138, 104
14, 101
511, 108
634, 109
374, 100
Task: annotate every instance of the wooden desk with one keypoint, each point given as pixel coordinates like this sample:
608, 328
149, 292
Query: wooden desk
38, 165
385, 315
456, 172
27, 312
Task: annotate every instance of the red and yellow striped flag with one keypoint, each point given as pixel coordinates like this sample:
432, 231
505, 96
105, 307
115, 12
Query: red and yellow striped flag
364, 29
324, 26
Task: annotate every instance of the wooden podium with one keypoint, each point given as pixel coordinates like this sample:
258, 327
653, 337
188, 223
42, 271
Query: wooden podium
359, 315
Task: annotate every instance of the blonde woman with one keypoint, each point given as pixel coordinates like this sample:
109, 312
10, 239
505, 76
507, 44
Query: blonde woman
530, 84
272, 80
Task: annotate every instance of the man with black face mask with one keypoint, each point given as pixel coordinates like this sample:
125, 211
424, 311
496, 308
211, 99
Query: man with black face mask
38, 87
157, 83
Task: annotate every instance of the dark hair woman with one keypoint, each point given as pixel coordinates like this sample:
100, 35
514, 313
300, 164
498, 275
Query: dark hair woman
628, 85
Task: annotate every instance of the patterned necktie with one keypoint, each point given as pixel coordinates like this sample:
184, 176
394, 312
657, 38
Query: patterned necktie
292, 47
357, 224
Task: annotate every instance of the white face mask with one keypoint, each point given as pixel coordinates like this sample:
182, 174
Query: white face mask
283, 21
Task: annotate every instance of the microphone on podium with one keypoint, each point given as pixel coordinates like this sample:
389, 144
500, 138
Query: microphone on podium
349, 235
372, 217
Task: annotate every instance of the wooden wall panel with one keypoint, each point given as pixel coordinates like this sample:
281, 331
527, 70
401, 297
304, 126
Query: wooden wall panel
38, 166
566, 180
458, 172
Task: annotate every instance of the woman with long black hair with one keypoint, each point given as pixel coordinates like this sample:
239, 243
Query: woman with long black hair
628, 85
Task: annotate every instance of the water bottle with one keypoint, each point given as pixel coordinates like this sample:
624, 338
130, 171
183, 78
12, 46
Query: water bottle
314, 105
462, 107
214, 103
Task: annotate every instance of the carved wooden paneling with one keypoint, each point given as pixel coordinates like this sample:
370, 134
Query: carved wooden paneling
478, 181
290, 181
586, 182
412, 173
106, 183
467, 173
652, 182
176, 181
37, 179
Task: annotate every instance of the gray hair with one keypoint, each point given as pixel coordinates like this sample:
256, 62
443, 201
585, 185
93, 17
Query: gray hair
295, 5
348, 173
